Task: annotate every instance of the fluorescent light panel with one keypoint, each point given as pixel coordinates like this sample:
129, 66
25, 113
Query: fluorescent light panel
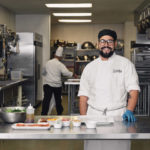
74, 20
70, 5
72, 14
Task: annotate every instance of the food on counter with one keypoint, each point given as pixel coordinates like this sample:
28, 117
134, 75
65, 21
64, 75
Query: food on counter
15, 110
32, 125
43, 120
51, 119
37, 126
76, 123
65, 119
58, 124
66, 122
47, 120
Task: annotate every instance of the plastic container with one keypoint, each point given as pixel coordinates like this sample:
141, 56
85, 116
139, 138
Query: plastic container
58, 124
76, 123
29, 114
91, 124
16, 75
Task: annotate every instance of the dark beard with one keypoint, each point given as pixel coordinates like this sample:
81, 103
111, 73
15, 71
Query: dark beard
106, 55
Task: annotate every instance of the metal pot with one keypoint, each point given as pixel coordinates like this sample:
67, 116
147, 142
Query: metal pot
87, 45
12, 117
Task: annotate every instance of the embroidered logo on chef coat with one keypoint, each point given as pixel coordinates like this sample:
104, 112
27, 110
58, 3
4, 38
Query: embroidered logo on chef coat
117, 71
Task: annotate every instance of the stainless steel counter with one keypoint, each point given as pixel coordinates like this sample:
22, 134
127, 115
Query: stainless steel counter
117, 130
9, 84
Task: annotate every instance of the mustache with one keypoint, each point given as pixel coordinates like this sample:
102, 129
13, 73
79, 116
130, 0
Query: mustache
106, 47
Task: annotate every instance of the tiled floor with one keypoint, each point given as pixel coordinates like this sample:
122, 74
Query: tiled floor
64, 103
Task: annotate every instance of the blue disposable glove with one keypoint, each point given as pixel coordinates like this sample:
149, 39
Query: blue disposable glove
128, 115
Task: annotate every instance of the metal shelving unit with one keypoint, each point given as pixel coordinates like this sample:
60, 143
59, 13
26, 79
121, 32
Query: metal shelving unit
83, 57
141, 58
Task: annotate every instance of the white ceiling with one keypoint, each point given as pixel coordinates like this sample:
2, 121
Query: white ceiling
104, 11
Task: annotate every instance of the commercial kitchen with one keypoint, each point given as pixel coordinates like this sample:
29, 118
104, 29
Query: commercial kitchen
29, 35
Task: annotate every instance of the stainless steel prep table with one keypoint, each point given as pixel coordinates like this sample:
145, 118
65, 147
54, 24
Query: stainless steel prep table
9, 84
117, 130
71, 95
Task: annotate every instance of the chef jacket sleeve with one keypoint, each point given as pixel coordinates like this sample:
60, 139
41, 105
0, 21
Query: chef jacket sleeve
131, 77
84, 84
65, 71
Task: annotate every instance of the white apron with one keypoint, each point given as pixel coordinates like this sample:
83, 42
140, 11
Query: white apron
107, 144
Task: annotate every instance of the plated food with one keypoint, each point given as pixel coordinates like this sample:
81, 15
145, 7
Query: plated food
66, 122
51, 120
31, 126
76, 123
42, 120
47, 120
58, 124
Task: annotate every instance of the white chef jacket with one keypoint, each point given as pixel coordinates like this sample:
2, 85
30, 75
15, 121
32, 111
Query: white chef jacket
106, 83
54, 69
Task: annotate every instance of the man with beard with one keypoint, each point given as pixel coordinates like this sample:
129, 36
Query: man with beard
104, 85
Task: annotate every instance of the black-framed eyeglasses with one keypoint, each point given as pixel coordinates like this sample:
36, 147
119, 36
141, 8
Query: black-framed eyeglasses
109, 42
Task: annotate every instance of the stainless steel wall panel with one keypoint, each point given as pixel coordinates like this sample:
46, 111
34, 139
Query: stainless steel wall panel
28, 61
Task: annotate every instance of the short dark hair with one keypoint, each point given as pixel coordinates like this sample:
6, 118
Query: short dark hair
107, 32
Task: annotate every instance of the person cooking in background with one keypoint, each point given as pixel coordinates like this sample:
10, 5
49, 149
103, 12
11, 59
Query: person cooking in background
52, 82
105, 83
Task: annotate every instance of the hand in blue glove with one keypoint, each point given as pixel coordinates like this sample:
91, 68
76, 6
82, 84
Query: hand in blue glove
128, 115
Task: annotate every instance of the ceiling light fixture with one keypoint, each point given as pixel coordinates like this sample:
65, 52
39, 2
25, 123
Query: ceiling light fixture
69, 5
72, 14
74, 20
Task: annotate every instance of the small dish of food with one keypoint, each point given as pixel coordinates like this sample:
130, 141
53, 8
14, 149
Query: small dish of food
76, 123
66, 122
51, 120
58, 124
42, 120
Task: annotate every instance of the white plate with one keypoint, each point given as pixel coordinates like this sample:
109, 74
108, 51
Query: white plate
29, 126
